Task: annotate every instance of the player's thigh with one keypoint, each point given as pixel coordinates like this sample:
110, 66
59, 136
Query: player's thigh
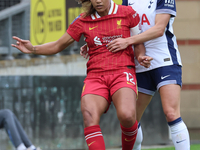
93, 106
123, 90
124, 101
141, 104
170, 97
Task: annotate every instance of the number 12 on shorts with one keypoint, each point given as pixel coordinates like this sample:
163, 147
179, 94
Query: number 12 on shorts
129, 78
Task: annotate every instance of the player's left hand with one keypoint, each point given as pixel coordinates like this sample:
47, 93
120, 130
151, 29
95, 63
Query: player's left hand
117, 45
84, 51
145, 61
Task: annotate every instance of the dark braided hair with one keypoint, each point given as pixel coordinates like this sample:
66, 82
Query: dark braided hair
87, 7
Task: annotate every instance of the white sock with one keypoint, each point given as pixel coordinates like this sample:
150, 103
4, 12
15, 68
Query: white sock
21, 147
139, 138
32, 147
179, 134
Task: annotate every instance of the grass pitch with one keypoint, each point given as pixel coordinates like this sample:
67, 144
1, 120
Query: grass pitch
192, 147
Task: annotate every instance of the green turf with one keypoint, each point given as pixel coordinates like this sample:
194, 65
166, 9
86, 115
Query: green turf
193, 147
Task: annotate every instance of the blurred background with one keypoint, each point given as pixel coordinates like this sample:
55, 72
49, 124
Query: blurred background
44, 91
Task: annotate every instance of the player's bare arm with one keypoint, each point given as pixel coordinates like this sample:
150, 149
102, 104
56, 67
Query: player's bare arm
45, 49
139, 51
156, 31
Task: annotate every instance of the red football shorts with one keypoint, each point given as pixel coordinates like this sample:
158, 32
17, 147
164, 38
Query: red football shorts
107, 85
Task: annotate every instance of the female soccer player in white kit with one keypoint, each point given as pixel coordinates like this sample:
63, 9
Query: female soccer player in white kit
164, 74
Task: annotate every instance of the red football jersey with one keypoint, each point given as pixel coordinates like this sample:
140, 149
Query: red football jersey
99, 31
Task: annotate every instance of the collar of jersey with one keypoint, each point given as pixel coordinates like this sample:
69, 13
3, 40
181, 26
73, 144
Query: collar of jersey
113, 10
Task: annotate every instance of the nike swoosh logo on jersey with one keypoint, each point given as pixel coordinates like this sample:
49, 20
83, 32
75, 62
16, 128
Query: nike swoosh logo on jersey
92, 28
130, 3
180, 141
164, 77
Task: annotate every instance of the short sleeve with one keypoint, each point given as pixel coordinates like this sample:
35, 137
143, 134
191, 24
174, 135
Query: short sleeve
166, 6
133, 17
75, 29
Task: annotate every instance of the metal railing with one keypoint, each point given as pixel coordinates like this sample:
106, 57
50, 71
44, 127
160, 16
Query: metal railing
13, 21
8, 3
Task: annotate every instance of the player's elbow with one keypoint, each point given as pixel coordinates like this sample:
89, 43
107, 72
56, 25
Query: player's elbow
160, 31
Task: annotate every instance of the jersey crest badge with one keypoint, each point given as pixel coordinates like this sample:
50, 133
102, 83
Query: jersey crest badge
119, 24
151, 2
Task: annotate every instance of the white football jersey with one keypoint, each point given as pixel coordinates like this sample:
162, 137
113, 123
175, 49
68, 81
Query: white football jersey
164, 49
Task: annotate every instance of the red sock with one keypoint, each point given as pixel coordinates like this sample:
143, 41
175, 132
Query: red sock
94, 138
129, 136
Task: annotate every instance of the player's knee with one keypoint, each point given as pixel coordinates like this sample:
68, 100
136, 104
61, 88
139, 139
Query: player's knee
127, 118
170, 115
87, 118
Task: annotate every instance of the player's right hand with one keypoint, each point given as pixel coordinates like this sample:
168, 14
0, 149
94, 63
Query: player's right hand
24, 46
117, 45
145, 61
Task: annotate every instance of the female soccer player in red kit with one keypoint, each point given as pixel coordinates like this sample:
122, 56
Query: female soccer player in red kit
110, 76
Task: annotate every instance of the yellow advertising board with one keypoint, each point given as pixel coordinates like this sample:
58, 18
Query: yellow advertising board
48, 20
73, 13
119, 2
